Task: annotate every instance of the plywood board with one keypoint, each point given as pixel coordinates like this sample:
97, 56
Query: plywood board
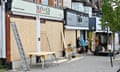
27, 32
70, 37
53, 30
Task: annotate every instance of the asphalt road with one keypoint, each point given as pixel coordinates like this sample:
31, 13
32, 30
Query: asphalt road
79, 64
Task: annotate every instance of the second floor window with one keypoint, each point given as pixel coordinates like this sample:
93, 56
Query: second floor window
55, 3
34, 1
60, 3
44, 2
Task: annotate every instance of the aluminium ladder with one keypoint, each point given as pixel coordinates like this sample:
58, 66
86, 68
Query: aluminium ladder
20, 47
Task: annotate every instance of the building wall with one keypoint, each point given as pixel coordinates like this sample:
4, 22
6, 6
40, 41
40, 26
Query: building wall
58, 3
67, 3
96, 3
27, 31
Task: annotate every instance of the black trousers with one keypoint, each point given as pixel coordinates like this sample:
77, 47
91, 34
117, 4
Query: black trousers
86, 48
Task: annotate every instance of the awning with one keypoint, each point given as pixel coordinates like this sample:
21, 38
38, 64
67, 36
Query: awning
103, 31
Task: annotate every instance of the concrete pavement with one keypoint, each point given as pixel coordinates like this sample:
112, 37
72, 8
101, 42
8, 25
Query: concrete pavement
80, 64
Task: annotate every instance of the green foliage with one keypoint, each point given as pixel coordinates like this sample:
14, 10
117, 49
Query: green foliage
111, 15
2, 66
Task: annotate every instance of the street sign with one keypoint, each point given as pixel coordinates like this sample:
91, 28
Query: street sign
92, 24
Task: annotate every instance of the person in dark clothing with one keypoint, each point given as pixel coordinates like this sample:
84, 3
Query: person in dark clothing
98, 50
86, 45
99, 46
78, 45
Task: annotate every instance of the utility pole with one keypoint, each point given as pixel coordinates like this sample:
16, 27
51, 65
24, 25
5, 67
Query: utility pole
110, 53
38, 33
38, 29
3, 39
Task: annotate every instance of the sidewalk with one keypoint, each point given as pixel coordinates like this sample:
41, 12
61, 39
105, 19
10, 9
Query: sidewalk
82, 64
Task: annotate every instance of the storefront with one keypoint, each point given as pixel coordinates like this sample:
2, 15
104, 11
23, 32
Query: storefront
98, 35
39, 28
76, 25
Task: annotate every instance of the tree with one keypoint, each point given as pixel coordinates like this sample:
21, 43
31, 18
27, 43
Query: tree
111, 15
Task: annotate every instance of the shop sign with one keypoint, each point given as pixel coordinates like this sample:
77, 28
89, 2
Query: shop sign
95, 24
92, 24
76, 20
42, 10
23, 7
49, 11
98, 23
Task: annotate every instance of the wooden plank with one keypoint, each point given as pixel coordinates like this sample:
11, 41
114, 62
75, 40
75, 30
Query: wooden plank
41, 53
63, 39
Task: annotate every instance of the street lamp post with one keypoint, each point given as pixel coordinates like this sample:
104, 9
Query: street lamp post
110, 53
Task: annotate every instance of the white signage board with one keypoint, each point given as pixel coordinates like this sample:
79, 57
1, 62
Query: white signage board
98, 24
117, 47
32, 9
